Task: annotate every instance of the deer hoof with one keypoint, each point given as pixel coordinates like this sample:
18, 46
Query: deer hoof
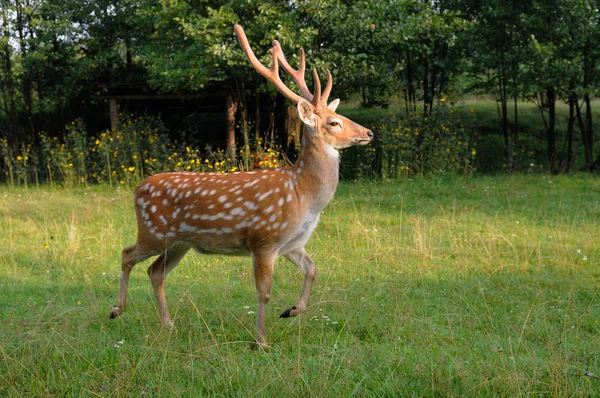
114, 313
288, 313
260, 346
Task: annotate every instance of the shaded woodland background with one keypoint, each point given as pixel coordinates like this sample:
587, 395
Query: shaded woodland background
408, 68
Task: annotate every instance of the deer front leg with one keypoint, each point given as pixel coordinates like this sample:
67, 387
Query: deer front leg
129, 260
263, 277
157, 272
307, 265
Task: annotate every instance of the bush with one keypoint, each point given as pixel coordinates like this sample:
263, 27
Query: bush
140, 147
417, 143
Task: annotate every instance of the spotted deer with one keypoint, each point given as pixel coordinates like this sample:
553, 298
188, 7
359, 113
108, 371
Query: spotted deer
262, 214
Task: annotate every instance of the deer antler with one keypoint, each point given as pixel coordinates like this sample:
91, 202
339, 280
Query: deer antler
272, 74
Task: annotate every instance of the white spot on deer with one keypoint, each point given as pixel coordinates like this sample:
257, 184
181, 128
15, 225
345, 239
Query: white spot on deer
188, 194
289, 198
285, 224
222, 198
238, 211
172, 229
163, 219
251, 183
269, 209
176, 212
165, 202
241, 225
227, 230
272, 218
171, 234
255, 219
158, 194
204, 193
210, 207
276, 225
153, 209
177, 180
214, 191
187, 215
160, 236
197, 191
183, 227
250, 205
196, 216
152, 230
148, 223
264, 195
280, 201
235, 188
173, 191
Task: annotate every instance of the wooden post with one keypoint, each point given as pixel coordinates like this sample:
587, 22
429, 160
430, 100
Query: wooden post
232, 106
114, 115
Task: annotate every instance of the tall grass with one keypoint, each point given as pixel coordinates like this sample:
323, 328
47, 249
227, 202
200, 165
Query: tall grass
450, 286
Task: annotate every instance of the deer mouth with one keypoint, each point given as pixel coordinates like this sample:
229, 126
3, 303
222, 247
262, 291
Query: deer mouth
361, 141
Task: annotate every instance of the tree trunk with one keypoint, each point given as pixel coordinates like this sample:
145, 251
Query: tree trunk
280, 122
504, 119
569, 164
114, 116
426, 87
584, 136
293, 126
257, 118
232, 105
412, 97
589, 145
551, 131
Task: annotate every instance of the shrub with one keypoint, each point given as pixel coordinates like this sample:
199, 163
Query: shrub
417, 143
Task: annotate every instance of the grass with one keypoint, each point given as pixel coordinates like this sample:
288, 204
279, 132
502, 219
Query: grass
449, 286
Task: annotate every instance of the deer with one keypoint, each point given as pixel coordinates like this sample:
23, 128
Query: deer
263, 214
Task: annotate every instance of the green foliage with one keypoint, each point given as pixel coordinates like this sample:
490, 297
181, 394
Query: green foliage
438, 142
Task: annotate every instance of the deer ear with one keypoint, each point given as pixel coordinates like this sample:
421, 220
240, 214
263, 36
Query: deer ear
307, 114
333, 104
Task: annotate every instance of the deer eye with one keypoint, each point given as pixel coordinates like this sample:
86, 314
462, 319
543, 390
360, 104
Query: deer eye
334, 123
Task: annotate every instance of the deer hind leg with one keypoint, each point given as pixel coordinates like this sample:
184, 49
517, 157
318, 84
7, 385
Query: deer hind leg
263, 277
307, 265
130, 259
158, 271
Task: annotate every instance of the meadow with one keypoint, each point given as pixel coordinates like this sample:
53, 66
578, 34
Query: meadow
433, 286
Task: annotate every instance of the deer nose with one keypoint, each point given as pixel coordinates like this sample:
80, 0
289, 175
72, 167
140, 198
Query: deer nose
370, 134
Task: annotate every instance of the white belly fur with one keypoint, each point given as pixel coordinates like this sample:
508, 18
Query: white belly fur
305, 230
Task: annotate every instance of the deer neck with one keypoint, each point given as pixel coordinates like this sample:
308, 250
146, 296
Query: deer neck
317, 170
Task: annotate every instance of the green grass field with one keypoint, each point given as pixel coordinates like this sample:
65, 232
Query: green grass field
479, 286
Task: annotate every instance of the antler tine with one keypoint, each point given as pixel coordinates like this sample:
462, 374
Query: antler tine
272, 74
317, 98
297, 75
325, 95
